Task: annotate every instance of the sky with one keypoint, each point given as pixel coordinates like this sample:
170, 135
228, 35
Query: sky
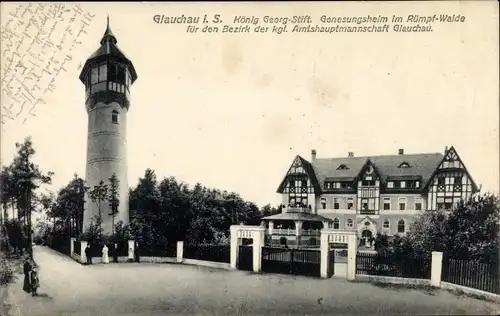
231, 111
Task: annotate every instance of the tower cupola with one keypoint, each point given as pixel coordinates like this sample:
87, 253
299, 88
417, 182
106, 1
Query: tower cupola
108, 74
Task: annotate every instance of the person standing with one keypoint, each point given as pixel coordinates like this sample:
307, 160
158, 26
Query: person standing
105, 255
115, 252
88, 254
35, 282
27, 268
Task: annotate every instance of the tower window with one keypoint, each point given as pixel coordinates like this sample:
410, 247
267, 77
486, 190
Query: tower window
120, 77
112, 72
102, 72
114, 117
94, 75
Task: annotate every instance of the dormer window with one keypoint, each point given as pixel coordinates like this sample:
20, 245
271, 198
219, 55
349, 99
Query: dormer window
114, 117
342, 167
404, 165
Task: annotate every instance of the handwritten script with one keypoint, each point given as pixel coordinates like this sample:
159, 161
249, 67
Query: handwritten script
37, 41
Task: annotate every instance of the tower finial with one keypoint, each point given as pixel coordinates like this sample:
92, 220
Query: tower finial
108, 35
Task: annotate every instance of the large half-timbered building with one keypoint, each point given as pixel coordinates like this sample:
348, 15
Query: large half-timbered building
368, 194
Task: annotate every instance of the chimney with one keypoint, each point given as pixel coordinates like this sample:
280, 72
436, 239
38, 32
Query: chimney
445, 149
313, 154
401, 151
350, 154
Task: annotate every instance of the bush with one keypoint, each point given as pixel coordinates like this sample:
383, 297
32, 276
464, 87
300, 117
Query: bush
7, 275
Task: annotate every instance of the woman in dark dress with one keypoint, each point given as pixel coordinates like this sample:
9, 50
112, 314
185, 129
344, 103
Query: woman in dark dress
27, 267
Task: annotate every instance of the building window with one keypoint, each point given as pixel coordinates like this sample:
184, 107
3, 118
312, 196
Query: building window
368, 183
387, 204
350, 203
404, 165
364, 204
441, 181
403, 184
390, 184
114, 117
336, 204
323, 203
336, 223
401, 226
349, 223
418, 204
386, 224
346, 185
402, 204
457, 180
417, 184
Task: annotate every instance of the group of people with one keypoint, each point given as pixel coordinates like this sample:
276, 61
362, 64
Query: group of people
31, 281
105, 254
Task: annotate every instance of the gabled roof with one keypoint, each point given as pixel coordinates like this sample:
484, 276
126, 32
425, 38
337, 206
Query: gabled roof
453, 151
307, 168
422, 167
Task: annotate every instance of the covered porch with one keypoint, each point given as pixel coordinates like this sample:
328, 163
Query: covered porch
295, 229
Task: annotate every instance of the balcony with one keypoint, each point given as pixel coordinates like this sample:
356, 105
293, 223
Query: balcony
298, 210
311, 232
284, 232
368, 212
292, 232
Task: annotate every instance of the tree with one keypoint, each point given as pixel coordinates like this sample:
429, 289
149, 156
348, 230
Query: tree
94, 232
7, 193
473, 228
428, 233
114, 199
470, 230
98, 195
26, 177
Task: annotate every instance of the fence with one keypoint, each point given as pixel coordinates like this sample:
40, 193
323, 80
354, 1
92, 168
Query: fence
374, 264
61, 244
471, 273
215, 253
158, 250
291, 261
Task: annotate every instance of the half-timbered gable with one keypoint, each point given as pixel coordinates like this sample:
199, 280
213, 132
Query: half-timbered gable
450, 182
298, 186
368, 193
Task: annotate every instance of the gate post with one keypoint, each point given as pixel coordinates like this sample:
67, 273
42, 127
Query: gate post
352, 250
324, 254
258, 243
131, 250
72, 246
83, 256
233, 246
